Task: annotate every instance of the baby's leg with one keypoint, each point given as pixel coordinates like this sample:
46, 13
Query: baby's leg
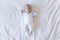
28, 29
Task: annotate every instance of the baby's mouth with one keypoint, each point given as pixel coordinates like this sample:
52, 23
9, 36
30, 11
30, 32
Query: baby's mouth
29, 11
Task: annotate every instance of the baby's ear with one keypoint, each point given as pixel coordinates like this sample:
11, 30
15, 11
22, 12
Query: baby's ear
22, 11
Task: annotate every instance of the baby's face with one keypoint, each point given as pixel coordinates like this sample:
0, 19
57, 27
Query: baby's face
28, 8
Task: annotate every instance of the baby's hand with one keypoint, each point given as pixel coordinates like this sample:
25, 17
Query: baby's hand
22, 11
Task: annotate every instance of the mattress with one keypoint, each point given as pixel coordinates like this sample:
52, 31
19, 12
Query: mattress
49, 20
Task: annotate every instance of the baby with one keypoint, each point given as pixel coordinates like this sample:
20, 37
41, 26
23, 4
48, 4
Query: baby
28, 16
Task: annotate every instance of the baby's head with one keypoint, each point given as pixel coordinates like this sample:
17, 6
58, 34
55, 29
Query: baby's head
28, 8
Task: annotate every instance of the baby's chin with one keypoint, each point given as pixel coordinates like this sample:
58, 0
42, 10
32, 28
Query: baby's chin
28, 12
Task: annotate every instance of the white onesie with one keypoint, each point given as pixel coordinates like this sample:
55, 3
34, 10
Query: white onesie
28, 21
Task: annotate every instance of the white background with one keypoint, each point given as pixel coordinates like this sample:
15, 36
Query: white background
10, 28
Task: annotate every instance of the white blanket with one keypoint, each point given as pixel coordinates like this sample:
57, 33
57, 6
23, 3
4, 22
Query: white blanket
10, 23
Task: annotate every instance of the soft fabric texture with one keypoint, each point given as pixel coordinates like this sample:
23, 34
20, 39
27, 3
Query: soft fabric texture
49, 20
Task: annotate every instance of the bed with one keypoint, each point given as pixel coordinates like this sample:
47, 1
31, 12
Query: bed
10, 20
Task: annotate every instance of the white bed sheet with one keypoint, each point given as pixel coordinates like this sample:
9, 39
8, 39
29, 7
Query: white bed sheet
49, 20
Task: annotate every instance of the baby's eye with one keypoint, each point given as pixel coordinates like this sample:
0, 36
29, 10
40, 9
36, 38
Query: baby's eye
26, 8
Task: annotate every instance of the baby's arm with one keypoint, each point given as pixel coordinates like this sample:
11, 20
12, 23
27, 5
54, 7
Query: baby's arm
34, 14
22, 11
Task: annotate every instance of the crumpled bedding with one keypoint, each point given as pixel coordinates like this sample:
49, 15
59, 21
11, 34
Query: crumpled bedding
10, 24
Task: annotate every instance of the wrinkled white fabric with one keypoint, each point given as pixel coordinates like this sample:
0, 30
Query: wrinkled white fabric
10, 20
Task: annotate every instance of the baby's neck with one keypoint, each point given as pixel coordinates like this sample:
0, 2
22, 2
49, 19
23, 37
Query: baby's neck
28, 12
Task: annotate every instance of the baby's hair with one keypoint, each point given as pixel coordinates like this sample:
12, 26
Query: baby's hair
28, 5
